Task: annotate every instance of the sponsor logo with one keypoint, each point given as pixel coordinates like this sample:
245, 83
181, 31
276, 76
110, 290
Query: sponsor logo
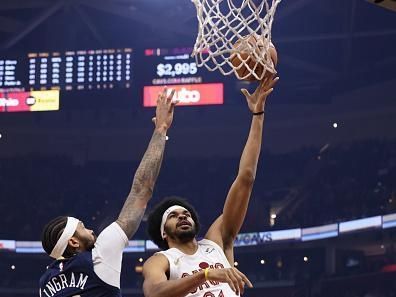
194, 94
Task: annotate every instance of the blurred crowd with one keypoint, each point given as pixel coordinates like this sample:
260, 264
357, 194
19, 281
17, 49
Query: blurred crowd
310, 187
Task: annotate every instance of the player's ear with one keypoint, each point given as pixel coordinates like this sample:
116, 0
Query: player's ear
165, 236
74, 243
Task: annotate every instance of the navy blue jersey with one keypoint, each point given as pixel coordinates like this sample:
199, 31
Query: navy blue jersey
75, 277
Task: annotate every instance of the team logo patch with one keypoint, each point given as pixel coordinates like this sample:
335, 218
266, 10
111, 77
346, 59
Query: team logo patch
209, 250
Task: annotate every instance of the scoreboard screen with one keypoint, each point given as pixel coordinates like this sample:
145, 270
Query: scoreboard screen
176, 69
71, 70
172, 66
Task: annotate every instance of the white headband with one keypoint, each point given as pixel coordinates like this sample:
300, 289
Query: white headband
165, 216
62, 243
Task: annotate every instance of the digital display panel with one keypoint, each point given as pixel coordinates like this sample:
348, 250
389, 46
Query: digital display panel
171, 66
320, 232
389, 221
29, 101
135, 246
176, 69
198, 94
70, 70
366, 223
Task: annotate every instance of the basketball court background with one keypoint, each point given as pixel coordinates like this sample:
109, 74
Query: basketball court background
328, 154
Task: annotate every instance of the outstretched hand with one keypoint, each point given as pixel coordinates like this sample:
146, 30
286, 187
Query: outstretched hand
256, 101
165, 108
235, 279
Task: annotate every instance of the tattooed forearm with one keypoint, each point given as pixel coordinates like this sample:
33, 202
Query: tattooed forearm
143, 185
149, 167
131, 221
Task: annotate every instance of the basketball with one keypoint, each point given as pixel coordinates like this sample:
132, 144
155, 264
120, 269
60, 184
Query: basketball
247, 59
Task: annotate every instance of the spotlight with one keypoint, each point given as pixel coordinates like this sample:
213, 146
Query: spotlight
236, 263
262, 261
140, 260
335, 125
306, 259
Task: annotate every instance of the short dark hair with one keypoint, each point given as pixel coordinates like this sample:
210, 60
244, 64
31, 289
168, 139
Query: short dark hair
155, 218
51, 234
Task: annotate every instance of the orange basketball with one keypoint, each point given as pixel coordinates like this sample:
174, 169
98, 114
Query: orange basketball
246, 59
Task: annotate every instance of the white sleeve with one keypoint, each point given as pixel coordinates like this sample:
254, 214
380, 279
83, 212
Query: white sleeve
107, 254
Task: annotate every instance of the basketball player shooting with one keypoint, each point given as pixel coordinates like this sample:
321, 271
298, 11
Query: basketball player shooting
87, 266
205, 268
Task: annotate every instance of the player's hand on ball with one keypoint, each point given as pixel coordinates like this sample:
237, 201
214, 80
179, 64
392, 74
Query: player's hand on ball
165, 107
256, 101
235, 279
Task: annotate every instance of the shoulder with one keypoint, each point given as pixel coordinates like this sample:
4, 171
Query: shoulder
210, 247
157, 261
159, 257
111, 233
208, 242
170, 251
57, 266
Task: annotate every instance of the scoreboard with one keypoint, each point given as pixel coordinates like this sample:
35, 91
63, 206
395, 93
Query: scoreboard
70, 70
100, 69
176, 69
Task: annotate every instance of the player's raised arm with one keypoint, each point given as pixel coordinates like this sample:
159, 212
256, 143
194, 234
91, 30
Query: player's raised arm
225, 229
148, 170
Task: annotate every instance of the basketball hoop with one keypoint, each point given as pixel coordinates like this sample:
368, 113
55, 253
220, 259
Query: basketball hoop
226, 30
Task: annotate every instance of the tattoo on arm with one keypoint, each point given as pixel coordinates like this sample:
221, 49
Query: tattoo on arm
143, 185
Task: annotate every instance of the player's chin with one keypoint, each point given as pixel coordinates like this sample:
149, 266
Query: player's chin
187, 234
91, 243
186, 229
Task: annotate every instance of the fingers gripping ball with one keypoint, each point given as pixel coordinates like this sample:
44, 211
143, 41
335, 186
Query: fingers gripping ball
244, 60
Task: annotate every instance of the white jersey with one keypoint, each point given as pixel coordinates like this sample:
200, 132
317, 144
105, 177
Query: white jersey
107, 254
208, 255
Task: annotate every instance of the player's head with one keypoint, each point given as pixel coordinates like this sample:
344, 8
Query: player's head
172, 219
66, 236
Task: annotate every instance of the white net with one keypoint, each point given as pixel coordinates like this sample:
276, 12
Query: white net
234, 36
